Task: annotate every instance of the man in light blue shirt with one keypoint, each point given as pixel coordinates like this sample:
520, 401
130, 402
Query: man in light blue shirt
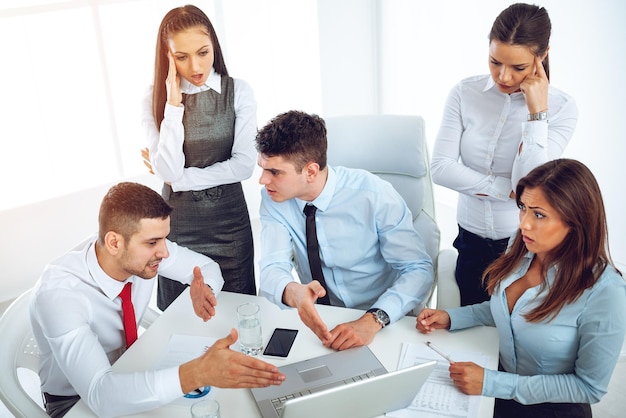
372, 258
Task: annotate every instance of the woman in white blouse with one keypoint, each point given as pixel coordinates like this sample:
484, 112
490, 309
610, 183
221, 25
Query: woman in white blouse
495, 129
201, 125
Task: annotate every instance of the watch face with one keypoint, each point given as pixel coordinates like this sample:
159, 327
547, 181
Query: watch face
382, 315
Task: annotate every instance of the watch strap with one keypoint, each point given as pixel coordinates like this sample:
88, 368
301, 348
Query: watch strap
537, 116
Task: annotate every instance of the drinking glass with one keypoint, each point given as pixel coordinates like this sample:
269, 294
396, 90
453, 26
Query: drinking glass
249, 325
208, 408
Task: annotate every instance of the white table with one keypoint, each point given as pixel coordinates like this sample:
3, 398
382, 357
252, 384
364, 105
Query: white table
179, 318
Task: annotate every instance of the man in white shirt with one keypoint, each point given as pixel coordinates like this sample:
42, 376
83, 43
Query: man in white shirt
76, 314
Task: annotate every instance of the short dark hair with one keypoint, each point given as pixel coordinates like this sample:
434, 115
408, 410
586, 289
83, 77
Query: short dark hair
125, 205
296, 136
524, 24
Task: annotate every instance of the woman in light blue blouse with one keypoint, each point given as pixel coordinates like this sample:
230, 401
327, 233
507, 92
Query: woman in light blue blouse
557, 300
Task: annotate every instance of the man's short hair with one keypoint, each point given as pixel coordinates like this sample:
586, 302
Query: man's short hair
125, 205
297, 137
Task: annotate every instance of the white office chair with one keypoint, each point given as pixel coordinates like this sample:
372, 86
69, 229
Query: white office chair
18, 349
394, 148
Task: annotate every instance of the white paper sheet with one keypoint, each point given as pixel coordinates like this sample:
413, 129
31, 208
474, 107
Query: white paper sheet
438, 397
181, 349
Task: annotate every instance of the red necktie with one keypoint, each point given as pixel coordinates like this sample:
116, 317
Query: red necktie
128, 311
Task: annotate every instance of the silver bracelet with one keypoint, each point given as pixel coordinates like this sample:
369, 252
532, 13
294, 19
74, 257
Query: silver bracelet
538, 116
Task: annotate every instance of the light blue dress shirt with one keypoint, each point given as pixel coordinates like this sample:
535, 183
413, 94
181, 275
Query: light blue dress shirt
371, 254
567, 359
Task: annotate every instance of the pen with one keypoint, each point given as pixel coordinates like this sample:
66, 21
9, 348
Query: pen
438, 351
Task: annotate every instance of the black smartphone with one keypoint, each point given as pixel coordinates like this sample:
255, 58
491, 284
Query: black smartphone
280, 342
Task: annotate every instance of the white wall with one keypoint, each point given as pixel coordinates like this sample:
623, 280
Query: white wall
424, 48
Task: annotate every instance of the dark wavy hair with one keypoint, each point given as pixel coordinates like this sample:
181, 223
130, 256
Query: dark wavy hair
177, 20
524, 24
297, 137
571, 189
125, 205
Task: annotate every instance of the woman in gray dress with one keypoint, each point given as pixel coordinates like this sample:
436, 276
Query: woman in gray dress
201, 125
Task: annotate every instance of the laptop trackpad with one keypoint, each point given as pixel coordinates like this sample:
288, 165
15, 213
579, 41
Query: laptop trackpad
316, 373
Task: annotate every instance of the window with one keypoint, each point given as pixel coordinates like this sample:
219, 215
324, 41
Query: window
75, 72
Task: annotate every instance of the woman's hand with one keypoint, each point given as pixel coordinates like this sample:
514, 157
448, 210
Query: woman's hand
431, 319
535, 89
145, 154
468, 377
172, 83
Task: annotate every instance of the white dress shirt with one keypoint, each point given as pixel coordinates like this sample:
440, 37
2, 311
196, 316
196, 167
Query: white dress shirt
76, 316
166, 146
477, 150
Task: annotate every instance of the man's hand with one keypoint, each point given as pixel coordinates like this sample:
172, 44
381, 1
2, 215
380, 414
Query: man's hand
202, 297
354, 333
430, 319
303, 297
225, 368
468, 377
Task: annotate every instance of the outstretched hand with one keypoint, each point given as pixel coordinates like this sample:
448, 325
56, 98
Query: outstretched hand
202, 296
303, 297
225, 368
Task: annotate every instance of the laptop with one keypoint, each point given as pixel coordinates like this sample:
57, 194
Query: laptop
341, 384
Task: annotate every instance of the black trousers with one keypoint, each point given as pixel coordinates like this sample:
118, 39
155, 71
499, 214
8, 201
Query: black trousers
475, 254
507, 408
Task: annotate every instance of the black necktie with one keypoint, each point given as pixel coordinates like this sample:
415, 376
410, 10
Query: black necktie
313, 251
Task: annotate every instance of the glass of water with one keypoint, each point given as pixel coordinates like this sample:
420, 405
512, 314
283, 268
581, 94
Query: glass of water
208, 408
249, 325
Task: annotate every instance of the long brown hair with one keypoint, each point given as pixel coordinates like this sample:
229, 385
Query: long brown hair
524, 24
177, 20
571, 189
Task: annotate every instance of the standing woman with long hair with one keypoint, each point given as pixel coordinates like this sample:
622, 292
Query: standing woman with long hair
201, 126
495, 129
557, 302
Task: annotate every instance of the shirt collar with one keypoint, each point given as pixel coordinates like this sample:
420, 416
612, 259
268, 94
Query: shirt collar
490, 84
322, 201
213, 82
106, 283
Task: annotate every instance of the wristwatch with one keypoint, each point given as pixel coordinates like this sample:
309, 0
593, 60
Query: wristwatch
380, 316
538, 116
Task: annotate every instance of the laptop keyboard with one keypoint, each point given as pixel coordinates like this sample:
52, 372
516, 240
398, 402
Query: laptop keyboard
280, 402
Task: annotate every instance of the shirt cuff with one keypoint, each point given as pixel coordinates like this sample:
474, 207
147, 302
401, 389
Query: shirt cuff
535, 132
459, 318
498, 384
500, 189
168, 385
174, 113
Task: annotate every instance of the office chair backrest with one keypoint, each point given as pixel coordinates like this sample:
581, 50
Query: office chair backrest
394, 148
18, 349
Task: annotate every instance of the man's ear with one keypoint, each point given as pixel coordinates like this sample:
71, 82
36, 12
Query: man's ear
113, 242
312, 170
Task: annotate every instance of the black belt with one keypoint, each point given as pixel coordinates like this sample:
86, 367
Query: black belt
58, 398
